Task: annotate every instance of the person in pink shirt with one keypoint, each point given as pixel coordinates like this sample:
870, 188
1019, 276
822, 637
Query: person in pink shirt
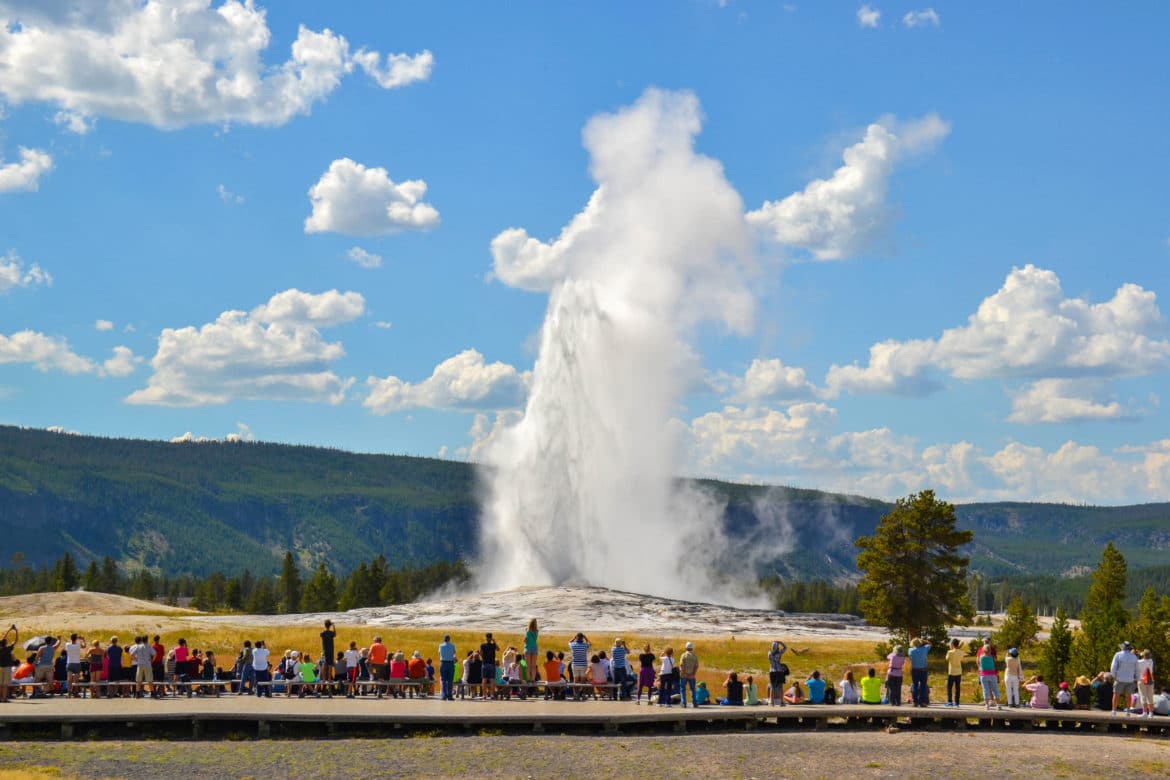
1039, 692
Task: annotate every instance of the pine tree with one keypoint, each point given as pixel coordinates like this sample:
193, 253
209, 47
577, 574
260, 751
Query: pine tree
1019, 628
108, 580
290, 584
1104, 617
262, 600
320, 591
915, 580
65, 575
1151, 631
1057, 651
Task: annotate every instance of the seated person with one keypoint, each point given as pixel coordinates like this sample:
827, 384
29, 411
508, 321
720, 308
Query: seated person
416, 670
871, 688
1162, 703
1039, 691
702, 695
751, 695
734, 687
1063, 698
795, 694
552, 675
1083, 693
1103, 692
816, 688
849, 690
306, 673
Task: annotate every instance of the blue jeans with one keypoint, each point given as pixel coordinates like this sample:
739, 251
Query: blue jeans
247, 675
919, 690
447, 679
619, 682
666, 685
683, 684
263, 676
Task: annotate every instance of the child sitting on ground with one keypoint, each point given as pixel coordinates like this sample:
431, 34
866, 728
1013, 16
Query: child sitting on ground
751, 696
702, 695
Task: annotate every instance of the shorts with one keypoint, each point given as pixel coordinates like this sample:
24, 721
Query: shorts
990, 685
351, 673
489, 673
73, 668
43, 674
5, 675
145, 674
580, 676
776, 679
1124, 689
380, 671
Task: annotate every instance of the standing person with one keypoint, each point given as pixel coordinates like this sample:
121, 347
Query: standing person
1124, 670
988, 675
157, 667
379, 666
919, 689
487, 656
260, 669
73, 650
447, 658
897, 660
97, 662
646, 674
531, 639
618, 655
327, 637
1012, 672
144, 671
43, 666
352, 657
954, 672
688, 667
667, 675
1145, 674
247, 671
7, 661
114, 666
777, 673
579, 659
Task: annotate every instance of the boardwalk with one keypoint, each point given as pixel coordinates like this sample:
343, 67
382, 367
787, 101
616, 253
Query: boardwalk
248, 716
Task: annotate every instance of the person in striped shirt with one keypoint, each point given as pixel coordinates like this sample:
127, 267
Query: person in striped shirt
618, 667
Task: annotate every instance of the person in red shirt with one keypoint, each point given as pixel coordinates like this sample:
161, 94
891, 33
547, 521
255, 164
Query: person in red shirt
379, 669
416, 670
157, 666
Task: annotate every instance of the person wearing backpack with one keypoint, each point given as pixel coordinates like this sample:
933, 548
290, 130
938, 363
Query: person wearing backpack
1145, 676
777, 673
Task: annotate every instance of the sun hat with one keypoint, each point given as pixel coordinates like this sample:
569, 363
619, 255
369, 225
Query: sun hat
1082, 680
690, 645
1013, 652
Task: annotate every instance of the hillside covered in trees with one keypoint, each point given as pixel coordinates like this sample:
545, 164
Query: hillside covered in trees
193, 508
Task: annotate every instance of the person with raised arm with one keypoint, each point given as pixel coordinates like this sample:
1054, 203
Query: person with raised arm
777, 673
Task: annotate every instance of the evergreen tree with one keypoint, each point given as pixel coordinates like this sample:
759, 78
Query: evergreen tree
65, 574
1104, 618
1019, 628
108, 578
289, 587
915, 580
1151, 631
262, 600
233, 595
1056, 652
92, 577
320, 591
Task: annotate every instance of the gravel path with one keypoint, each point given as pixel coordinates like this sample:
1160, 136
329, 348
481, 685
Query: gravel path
801, 755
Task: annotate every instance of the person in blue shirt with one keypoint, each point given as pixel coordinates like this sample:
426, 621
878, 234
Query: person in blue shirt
919, 690
816, 689
447, 669
702, 695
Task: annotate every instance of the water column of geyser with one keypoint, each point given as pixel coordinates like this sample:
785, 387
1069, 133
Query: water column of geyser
581, 489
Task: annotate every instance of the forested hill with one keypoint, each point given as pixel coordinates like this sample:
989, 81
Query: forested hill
198, 507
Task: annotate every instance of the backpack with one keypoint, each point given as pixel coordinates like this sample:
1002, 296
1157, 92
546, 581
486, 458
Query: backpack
1147, 676
830, 695
784, 669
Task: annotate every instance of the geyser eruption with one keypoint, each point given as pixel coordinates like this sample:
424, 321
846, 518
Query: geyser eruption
581, 489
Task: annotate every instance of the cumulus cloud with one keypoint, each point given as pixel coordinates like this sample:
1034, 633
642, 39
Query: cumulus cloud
123, 363
228, 197
363, 258
353, 199
103, 325
486, 432
771, 381
800, 445
927, 17
867, 16
15, 273
840, 216
274, 352
26, 174
1027, 330
174, 63
465, 381
74, 122
46, 353
1065, 400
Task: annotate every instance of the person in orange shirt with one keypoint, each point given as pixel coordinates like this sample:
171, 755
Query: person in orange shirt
552, 676
416, 669
380, 669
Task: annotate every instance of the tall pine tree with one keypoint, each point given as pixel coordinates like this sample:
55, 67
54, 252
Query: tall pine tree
1104, 617
320, 591
1056, 652
289, 587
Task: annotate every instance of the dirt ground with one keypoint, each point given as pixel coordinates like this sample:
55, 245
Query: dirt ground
797, 755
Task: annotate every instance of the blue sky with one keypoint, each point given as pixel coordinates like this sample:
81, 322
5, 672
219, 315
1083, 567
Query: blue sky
336, 175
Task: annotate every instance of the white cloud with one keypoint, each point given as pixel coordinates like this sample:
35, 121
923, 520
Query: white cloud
353, 199
465, 381
274, 352
771, 381
867, 16
530, 264
923, 18
384, 324
123, 363
44, 352
228, 197
243, 433
103, 325
363, 258
59, 429
74, 122
400, 69
26, 174
14, 273
1029, 330
173, 63
1065, 400
840, 216
486, 431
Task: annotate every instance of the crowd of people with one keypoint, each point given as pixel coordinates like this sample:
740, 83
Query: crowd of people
76, 667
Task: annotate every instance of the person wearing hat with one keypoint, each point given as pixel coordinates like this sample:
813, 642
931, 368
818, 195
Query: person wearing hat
1145, 675
1012, 672
1124, 670
1063, 698
688, 666
1083, 692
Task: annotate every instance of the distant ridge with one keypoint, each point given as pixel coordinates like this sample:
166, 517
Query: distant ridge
197, 507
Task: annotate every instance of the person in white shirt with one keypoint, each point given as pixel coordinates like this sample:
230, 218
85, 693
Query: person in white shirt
260, 665
352, 658
1145, 682
850, 694
1162, 703
73, 650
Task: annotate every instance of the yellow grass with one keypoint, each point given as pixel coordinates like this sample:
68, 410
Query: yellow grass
33, 773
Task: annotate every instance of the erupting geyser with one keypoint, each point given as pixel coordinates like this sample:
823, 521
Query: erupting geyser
581, 489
